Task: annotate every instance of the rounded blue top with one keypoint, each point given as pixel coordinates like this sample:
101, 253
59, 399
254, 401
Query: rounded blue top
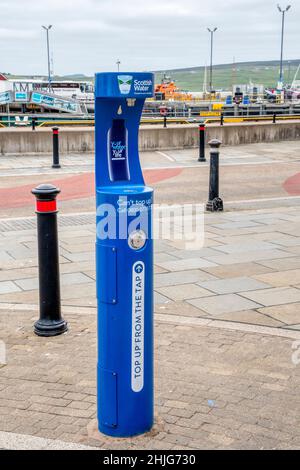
137, 85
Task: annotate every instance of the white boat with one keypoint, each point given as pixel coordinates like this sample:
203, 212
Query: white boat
81, 91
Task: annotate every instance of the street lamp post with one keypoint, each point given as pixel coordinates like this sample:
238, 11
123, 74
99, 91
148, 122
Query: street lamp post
283, 12
211, 31
47, 28
118, 65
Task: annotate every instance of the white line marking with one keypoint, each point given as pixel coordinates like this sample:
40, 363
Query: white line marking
163, 154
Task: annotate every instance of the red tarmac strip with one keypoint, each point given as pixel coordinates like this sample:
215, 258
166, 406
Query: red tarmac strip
292, 185
73, 187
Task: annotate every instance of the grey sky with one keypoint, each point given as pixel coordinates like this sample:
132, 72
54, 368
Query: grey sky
90, 35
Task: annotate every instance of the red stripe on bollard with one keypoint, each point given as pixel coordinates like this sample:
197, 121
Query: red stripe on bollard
55, 132
201, 128
46, 206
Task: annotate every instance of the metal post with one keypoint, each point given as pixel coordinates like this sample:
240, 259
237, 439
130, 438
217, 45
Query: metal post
211, 31
283, 12
202, 143
50, 322
165, 121
47, 28
222, 119
274, 118
55, 137
33, 123
214, 203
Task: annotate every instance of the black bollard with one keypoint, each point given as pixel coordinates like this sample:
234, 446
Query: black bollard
202, 143
33, 123
215, 203
165, 122
222, 119
55, 136
274, 118
50, 322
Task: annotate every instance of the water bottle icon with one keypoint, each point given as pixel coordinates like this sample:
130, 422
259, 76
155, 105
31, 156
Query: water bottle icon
118, 151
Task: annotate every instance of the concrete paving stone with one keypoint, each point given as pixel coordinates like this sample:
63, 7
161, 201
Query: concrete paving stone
21, 252
8, 286
237, 270
79, 248
182, 309
186, 254
281, 264
160, 299
293, 327
184, 291
292, 249
163, 257
76, 257
28, 284
249, 245
287, 240
274, 296
185, 264
80, 302
159, 270
223, 304
86, 290
4, 256
251, 317
288, 314
231, 286
181, 277
19, 296
236, 225
249, 256
281, 278
21, 273
75, 278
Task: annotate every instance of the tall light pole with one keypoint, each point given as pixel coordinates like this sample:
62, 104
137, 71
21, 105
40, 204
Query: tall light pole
283, 12
118, 64
47, 28
211, 31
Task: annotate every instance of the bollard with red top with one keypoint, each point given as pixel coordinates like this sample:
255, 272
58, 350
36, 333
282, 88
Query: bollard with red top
55, 137
202, 143
50, 322
164, 113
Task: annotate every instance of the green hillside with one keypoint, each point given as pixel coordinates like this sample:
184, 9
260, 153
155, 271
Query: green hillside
224, 76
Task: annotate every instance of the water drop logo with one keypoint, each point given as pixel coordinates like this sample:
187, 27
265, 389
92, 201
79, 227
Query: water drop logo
125, 83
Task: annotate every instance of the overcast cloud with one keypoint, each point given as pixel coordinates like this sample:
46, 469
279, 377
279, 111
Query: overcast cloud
90, 35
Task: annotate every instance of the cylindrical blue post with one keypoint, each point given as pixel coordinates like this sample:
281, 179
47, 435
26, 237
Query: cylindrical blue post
124, 258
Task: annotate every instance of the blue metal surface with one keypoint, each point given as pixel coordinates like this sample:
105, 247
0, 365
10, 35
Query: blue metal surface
124, 275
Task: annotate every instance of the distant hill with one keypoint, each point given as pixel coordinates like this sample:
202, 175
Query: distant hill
226, 75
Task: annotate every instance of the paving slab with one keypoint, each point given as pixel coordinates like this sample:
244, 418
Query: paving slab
223, 304
281, 278
185, 264
252, 317
288, 314
248, 256
239, 390
8, 287
184, 291
233, 285
181, 277
236, 270
274, 296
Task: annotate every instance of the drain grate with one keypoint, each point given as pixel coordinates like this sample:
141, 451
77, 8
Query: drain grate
13, 225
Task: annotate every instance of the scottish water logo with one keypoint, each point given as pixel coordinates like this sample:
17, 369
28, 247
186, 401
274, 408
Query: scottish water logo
118, 150
125, 82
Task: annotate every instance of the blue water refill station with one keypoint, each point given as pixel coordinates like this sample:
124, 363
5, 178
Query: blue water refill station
124, 257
